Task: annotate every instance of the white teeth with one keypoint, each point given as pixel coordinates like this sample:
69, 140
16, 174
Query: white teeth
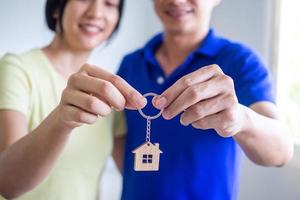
179, 13
90, 28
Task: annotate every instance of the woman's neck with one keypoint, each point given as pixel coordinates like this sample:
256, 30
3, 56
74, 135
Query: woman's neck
176, 47
64, 59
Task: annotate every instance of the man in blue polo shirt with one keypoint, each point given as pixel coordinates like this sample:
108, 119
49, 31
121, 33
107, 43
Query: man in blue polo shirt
217, 99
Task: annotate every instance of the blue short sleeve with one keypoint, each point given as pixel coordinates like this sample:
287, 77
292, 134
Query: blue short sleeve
253, 81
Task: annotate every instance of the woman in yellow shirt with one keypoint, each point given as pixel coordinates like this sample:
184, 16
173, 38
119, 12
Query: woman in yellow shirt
46, 93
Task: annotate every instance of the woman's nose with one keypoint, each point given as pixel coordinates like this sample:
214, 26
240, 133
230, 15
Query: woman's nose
96, 9
178, 1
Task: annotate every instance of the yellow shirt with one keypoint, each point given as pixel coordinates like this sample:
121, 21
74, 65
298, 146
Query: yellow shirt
29, 84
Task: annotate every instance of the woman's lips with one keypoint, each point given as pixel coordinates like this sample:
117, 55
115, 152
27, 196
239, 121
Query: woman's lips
90, 29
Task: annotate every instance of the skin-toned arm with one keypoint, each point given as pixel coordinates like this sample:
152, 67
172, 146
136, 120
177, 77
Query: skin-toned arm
265, 140
118, 152
206, 99
27, 158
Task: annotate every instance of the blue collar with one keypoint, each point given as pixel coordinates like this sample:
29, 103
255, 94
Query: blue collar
211, 46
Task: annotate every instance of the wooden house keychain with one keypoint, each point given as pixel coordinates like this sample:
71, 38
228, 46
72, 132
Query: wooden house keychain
146, 156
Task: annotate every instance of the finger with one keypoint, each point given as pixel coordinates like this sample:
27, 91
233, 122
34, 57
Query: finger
221, 122
104, 89
201, 75
86, 102
205, 108
78, 116
134, 99
194, 94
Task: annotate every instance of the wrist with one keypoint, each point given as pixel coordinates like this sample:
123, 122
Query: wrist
245, 120
56, 125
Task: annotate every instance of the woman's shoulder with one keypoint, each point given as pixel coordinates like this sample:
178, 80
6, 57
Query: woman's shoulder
21, 66
10, 59
19, 60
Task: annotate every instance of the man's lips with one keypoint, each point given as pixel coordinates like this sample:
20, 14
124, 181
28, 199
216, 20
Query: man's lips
179, 13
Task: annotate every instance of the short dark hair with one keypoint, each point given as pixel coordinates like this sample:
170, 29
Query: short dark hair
58, 7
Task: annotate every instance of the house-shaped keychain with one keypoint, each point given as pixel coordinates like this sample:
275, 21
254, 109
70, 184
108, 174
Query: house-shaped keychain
146, 157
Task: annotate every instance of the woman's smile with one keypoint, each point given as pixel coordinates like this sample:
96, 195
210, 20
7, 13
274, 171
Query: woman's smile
91, 29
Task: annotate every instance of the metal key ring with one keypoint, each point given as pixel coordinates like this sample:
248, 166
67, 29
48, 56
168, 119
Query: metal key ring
147, 116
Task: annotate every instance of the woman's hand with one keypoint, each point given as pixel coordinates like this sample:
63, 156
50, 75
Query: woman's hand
93, 92
206, 99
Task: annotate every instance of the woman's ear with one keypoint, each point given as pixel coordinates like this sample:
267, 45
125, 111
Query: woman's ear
55, 14
57, 25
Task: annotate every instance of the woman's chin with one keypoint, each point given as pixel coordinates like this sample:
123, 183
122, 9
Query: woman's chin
89, 46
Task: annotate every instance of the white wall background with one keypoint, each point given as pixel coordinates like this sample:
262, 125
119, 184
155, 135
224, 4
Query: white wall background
22, 27
251, 23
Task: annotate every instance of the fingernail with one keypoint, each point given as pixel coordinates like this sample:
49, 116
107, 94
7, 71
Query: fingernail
142, 102
160, 102
119, 109
166, 115
183, 123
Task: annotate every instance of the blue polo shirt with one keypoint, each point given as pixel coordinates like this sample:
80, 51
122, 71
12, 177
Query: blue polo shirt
195, 164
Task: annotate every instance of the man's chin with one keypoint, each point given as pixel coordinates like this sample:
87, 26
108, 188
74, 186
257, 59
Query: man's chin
180, 29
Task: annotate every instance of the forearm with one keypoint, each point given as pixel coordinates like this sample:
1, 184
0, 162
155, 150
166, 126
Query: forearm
118, 152
265, 140
27, 162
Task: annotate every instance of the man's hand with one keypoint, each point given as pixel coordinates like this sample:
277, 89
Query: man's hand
206, 99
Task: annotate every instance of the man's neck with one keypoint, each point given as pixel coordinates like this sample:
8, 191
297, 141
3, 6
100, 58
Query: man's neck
176, 48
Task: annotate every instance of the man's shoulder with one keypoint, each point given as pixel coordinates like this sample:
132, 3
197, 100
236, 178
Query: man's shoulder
145, 52
130, 61
236, 49
135, 55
